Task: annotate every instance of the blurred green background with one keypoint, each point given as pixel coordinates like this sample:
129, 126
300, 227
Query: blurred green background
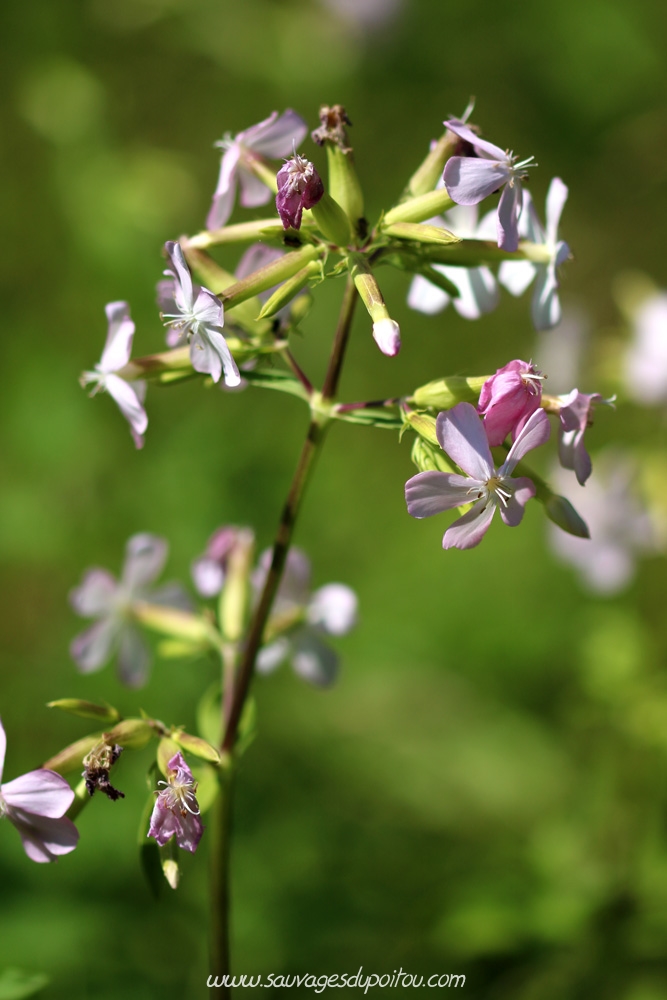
485, 790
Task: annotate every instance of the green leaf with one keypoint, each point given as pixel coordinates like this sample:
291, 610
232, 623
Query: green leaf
275, 378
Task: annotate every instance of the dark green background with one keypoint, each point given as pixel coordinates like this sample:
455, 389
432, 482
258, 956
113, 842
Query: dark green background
484, 791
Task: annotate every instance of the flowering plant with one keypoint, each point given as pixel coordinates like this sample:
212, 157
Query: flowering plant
469, 438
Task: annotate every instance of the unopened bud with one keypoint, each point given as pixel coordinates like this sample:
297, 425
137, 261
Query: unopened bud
332, 221
386, 331
419, 233
419, 209
561, 512
444, 393
426, 176
132, 734
196, 745
86, 709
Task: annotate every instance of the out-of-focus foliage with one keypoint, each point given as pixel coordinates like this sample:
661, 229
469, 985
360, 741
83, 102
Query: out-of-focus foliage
484, 791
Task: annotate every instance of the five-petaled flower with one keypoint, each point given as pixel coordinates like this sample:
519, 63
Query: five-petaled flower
508, 398
303, 617
461, 435
299, 186
198, 318
115, 356
36, 804
470, 179
110, 601
516, 275
274, 137
575, 416
176, 810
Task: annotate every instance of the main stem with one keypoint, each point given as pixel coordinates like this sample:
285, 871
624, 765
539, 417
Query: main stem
311, 447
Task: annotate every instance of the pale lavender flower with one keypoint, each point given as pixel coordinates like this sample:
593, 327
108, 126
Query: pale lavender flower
331, 610
198, 318
508, 398
365, 14
575, 417
387, 335
176, 810
646, 360
116, 354
299, 186
274, 137
36, 804
109, 601
620, 527
516, 275
470, 179
461, 435
477, 287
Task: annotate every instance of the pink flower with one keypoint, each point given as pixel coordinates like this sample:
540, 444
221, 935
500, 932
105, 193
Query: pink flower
299, 187
36, 804
274, 137
176, 810
575, 417
470, 179
508, 398
209, 570
115, 356
461, 435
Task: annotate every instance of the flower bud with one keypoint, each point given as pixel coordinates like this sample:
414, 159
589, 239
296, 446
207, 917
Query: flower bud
196, 745
419, 209
173, 622
243, 232
332, 221
71, 757
419, 233
561, 512
344, 186
289, 289
426, 176
131, 734
86, 709
299, 186
444, 393
266, 277
386, 331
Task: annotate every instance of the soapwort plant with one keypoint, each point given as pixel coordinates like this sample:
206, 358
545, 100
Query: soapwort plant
470, 437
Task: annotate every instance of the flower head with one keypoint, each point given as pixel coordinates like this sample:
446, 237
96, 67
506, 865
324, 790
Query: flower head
198, 318
477, 287
470, 179
116, 354
461, 435
302, 618
516, 275
176, 810
299, 186
575, 417
36, 804
274, 137
508, 398
109, 601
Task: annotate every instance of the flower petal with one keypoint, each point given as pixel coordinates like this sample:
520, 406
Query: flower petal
556, 198
145, 556
468, 531
276, 135
270, 657
313, 660
333, 608
426, 297
469, 180
482, 145
254, 191
134, 658
387, 335
42, 792
509, 207
225, 191
118, 346
44, 839
95, 594
478, 291
129, 405
91, 649
516, 275
534, 433
545, 309
183, 290
462, 436
433, 492
523, 489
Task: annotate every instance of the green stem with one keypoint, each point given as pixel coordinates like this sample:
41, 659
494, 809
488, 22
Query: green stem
220, 855
221, 832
